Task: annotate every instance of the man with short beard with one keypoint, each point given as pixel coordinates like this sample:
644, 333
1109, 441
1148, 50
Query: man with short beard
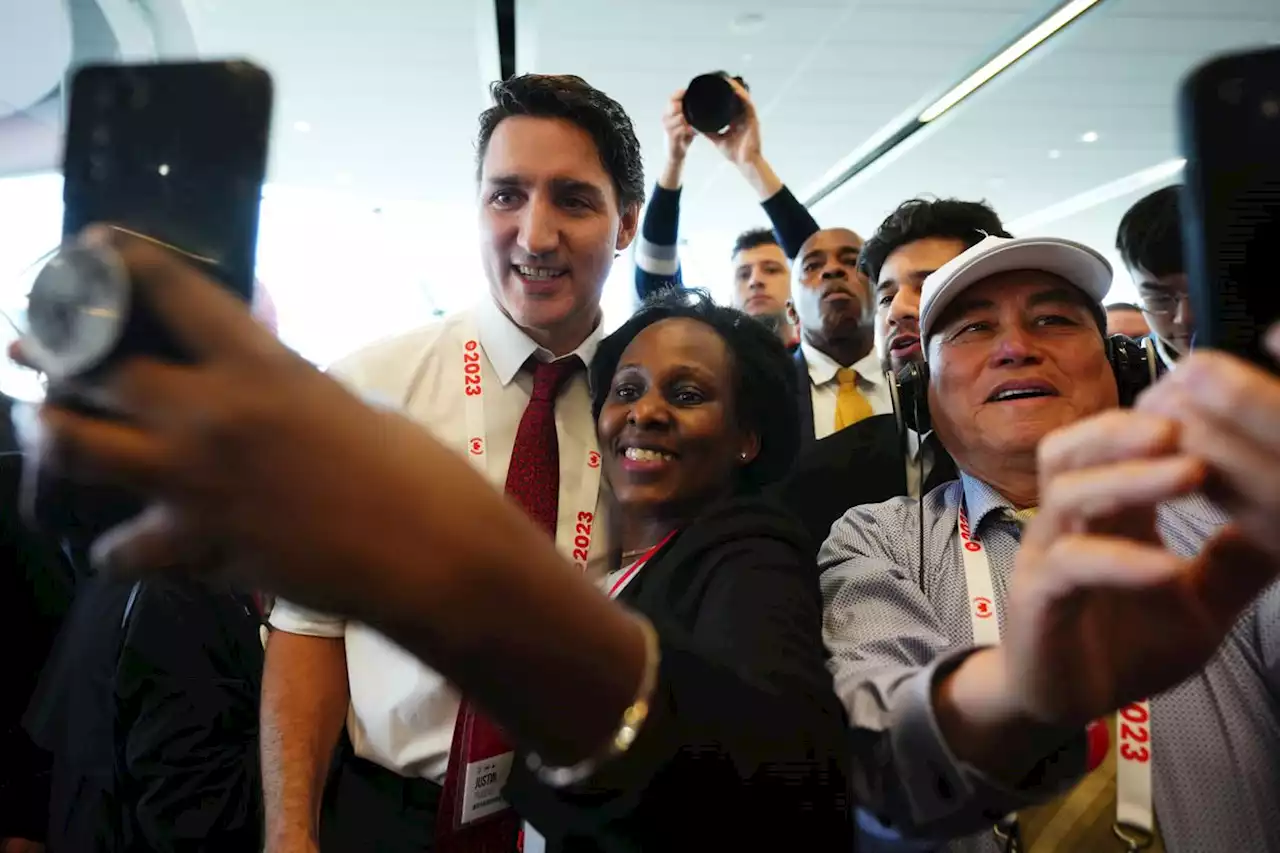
878, 459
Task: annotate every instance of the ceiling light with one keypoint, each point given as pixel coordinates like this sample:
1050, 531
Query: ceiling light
747, 23
1067, 13
1089, 136
302, 126
1055, 154
344, 178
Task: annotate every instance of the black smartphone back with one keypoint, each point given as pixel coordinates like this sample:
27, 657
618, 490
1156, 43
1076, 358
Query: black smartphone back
1229, 114
176, 152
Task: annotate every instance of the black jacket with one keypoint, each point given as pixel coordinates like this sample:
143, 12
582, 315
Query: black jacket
153, 720
745, 746
804, 398
861, 464
35, 591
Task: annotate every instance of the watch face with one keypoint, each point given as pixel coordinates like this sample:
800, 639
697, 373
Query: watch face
77, 311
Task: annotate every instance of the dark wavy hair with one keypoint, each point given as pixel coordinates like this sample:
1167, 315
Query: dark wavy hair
573, 99
764, 380
754, 238
1150, 233
922, 218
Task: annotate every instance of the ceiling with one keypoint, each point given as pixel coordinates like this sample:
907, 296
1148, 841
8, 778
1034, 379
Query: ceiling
371, 225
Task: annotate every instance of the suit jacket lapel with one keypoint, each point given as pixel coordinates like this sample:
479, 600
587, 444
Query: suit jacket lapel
804, 398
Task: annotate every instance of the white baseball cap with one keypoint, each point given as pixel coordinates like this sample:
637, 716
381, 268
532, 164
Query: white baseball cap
1075, 262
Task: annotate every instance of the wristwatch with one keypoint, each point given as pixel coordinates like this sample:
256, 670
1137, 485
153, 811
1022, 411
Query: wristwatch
77, 312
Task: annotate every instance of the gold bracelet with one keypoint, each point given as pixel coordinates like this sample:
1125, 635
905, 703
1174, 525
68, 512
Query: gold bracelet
628, 728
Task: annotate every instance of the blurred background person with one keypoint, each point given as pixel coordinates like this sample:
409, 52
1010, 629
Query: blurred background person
761, 258
842, 381
878, 459
762, 283
36, 586
1125, 318
1149, 240
149, 704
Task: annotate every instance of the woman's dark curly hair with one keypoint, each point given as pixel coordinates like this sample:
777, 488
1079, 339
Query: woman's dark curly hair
764, 380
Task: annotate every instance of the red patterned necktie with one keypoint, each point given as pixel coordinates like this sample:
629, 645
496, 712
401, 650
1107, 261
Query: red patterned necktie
533, 481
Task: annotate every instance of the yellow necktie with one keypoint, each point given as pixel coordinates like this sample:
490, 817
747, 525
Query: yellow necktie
1081, 819
1022, 516
851, 406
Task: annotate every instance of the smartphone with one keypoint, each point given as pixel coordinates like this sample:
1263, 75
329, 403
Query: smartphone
176, 152
1229, 123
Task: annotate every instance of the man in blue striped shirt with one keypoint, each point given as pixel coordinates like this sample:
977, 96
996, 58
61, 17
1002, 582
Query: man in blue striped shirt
972, 652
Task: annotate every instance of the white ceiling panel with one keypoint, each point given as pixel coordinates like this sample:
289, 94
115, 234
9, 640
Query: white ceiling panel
825, 74
1114, 73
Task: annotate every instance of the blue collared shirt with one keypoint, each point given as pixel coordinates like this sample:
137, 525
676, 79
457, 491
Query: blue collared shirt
893, 626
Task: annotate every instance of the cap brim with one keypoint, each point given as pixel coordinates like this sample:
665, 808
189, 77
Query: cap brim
1076, 263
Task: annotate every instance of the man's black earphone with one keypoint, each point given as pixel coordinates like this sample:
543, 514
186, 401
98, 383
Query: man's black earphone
1135, 364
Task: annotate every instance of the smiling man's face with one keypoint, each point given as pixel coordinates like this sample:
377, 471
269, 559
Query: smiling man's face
1013, 358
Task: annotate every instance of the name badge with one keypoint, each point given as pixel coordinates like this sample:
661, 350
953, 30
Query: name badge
482, 786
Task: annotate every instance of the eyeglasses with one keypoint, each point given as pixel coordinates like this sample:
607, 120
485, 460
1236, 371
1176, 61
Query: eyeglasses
1164, 305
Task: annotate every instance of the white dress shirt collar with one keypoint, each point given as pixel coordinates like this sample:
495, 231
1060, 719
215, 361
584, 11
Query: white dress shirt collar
508, 347
823, 368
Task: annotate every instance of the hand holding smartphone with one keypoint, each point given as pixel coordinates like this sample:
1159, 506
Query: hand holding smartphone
176, 153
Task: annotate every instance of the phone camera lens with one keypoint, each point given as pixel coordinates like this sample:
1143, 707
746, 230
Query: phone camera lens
1271, 107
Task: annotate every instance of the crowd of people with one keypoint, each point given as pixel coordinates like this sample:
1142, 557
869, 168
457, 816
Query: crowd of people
873, 558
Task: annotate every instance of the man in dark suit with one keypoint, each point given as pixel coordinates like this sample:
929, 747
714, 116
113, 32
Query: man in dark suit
838, 372
35, 588
149, 703
877, 458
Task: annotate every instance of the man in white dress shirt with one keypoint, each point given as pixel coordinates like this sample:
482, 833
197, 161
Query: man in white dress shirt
560, 188
841, 378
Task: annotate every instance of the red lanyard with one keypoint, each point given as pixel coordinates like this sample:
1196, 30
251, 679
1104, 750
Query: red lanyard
634, 568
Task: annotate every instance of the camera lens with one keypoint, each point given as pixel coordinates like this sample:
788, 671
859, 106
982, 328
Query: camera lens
710, 103
1271, 107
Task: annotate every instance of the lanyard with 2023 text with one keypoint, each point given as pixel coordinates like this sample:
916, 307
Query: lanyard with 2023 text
1134, 806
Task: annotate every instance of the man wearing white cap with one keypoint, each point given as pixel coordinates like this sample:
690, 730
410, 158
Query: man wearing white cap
981, 655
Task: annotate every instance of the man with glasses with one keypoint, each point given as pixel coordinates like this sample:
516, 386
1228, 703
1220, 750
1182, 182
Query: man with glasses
1150, 242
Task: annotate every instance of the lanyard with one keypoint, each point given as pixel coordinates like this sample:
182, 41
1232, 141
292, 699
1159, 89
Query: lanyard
1134, 809
629, 574
572, 539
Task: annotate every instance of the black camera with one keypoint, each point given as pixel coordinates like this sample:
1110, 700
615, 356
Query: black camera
711, 104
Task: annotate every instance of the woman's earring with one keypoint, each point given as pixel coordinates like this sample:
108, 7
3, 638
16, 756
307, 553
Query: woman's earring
743, 456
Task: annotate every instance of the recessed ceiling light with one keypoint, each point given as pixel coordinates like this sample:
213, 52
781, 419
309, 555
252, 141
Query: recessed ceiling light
748, 22
995, 183
163, 170
746, 58
1055, 154
302, 126
1089, 136
344, 178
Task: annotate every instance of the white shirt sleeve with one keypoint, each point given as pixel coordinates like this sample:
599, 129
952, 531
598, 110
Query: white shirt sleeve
293, 619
